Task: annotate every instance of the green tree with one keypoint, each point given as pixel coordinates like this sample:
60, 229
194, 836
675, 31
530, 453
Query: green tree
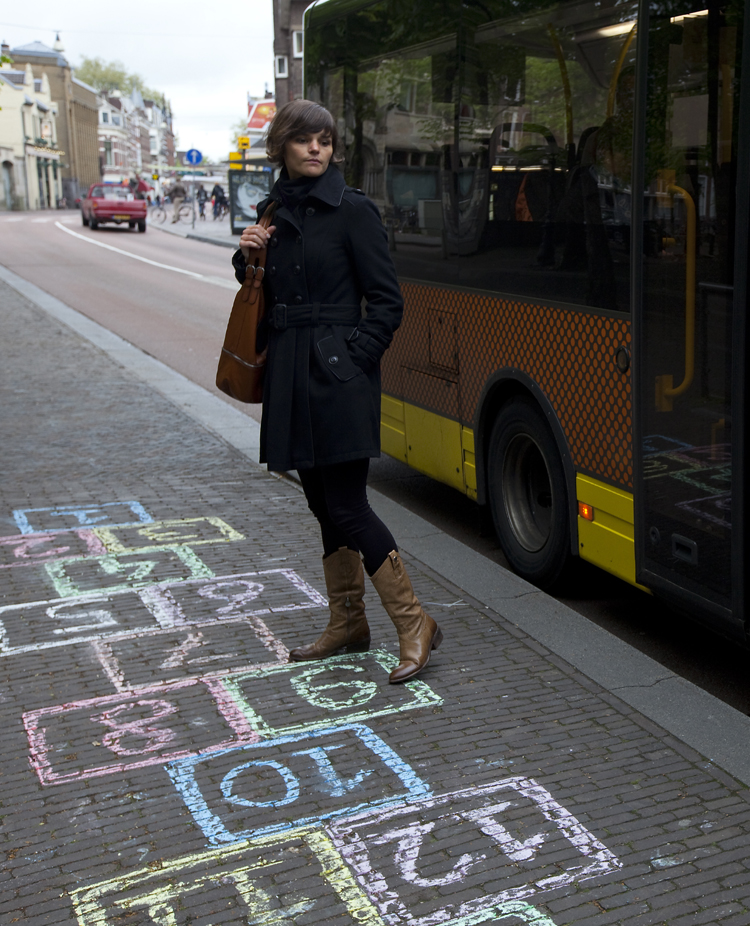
113, 75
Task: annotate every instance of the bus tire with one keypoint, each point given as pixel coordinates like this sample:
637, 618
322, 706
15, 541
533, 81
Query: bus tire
528, 494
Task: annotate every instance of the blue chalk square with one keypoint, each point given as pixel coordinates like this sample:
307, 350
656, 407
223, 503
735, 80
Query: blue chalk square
271, 786
67, 517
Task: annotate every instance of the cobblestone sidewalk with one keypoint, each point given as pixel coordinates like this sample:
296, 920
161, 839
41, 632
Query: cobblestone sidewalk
163, 764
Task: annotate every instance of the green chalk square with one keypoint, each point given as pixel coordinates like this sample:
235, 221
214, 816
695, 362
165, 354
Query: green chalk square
341, 689
88, 575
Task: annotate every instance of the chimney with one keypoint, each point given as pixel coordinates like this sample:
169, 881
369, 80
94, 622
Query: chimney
58, 46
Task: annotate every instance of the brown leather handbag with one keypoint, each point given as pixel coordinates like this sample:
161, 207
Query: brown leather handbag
241, 365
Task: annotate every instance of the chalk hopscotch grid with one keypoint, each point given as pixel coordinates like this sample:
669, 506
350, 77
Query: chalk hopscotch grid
354, 849
182, 771
82, 514
168, 889
421, 694
101, 541
338, 845
139, 571
113, 670
34, 722
23, 546
114, 544
161, 605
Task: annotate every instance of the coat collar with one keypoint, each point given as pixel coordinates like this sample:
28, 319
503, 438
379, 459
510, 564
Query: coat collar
329, 188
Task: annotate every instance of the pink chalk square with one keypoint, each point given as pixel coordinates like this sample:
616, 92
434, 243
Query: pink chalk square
134, 729
33, 549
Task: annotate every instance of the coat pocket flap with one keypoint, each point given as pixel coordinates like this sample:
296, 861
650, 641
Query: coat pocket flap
336, 358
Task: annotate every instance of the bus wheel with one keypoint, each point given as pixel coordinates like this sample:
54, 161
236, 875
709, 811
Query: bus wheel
528, 495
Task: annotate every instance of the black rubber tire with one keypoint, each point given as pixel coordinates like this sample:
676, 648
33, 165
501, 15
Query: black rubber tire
142, 225
94, 224
528, 494
83, 218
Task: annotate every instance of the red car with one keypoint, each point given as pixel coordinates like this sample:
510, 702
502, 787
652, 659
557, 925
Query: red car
114, 204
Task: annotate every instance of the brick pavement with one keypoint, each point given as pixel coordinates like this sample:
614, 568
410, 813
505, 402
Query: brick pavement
163, 764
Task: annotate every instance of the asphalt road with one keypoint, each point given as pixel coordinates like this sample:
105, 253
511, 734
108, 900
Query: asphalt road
171, 298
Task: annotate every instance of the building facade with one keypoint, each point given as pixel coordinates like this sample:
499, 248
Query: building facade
77, 116
288, 48
30, 154
135, 138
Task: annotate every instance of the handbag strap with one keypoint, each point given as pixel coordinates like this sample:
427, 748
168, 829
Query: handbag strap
256, 271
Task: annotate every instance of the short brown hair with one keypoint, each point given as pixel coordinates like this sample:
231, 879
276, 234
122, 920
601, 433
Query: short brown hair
299, 117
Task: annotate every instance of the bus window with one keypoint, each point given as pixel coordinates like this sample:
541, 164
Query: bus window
545, 150
686, 350
395, 107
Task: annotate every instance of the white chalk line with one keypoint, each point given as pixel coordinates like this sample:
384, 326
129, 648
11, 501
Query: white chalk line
215, 281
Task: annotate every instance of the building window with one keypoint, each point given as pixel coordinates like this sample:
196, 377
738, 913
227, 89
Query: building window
282, 66
115, 119
298, 44
108, 153
105, 117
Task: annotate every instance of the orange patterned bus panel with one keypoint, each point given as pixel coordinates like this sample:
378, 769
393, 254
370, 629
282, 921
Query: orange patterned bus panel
452, 342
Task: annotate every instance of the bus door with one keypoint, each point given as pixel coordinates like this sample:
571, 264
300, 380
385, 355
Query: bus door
689, 307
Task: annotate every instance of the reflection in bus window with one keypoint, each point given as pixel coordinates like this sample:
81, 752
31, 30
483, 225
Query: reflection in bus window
495, 138
545, 139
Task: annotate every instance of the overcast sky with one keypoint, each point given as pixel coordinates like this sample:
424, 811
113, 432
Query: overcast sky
205, 64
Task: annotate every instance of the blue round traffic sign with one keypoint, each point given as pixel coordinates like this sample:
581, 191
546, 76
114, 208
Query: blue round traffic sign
193, 156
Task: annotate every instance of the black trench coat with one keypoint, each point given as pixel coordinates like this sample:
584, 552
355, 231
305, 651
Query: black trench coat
321, 396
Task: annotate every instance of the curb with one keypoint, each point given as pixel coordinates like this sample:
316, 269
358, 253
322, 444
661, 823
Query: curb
205, 238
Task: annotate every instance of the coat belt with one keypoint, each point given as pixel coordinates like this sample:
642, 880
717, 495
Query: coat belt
310, 316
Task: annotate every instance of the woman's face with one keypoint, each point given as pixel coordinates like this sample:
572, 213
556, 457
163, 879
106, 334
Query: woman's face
308, 155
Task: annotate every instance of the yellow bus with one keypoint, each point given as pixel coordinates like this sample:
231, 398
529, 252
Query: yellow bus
565, 188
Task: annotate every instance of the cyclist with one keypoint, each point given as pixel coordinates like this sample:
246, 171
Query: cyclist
201, 196
220, 198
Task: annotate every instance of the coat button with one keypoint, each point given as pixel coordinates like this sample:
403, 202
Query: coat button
274, 241
297, 268
272, 270
333, 359
298, 239
309, 211
298, 300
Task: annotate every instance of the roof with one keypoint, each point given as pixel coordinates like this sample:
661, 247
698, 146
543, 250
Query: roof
81, 83
5, 80
13, 77
38, 50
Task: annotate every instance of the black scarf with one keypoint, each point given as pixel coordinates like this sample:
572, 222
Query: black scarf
294, 192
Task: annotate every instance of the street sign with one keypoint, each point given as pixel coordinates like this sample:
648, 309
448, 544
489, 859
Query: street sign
235, 156
243, 142
193, 156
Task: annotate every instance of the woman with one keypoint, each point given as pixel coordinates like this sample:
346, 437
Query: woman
327, 252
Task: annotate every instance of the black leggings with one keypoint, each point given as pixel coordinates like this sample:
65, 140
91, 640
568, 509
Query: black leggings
337, 496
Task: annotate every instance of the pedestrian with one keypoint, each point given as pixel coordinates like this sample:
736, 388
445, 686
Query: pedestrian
327, 252
177, 194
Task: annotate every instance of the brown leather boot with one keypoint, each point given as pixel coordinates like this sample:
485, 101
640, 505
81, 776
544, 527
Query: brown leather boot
347, 629
418, 634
